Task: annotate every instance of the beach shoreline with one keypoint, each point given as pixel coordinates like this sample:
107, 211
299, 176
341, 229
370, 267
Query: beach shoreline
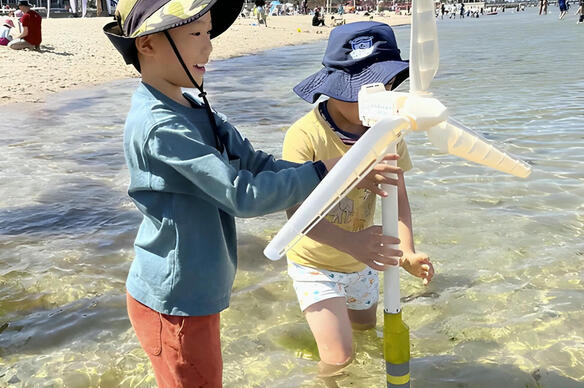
75, 53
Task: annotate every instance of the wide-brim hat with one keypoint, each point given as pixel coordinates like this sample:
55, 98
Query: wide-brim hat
357, 54
135, 18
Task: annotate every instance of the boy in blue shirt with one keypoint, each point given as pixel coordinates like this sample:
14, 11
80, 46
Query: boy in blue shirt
191, 173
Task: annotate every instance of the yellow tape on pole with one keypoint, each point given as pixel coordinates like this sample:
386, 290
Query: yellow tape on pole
398, 380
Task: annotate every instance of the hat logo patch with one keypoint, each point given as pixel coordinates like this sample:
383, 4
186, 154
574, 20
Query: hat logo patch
362, 47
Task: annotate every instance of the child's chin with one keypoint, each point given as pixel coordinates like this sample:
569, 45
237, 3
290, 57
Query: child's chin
189, 84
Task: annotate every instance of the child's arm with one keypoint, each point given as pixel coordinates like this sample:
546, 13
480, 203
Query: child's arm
181, 162
369, 246
250, 159
418, 264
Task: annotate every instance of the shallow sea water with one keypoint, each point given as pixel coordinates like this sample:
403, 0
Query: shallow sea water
505, 308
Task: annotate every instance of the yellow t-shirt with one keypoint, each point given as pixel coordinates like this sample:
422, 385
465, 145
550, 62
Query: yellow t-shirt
312, 138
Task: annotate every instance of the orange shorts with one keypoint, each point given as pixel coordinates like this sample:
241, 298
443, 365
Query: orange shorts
184, 351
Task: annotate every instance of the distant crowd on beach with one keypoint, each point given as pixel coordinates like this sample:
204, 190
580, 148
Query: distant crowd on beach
564, 6
452, 11
263, 10
334, 15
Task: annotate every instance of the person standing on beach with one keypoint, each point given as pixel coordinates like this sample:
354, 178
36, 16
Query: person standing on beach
580, 11
334, 268
543, 4
261, 12
191, 173
563, 8
30, 37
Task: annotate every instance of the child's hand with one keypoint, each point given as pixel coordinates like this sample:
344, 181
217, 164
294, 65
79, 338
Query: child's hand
378, 175
371, 247
419, 265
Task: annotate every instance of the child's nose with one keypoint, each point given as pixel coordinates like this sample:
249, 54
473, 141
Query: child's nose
208, 45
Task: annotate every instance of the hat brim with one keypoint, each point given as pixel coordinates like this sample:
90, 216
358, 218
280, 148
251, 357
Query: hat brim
343, 86
223, 15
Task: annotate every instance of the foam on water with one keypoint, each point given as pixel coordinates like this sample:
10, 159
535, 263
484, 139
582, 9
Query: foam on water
505, 308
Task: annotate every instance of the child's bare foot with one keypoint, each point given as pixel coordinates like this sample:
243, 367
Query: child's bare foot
330, 370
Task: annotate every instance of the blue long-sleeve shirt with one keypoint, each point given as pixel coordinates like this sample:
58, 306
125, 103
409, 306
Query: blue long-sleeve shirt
189, 194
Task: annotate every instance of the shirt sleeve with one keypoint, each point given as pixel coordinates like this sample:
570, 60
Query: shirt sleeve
250, 159
237, 191
24, 20
297, 146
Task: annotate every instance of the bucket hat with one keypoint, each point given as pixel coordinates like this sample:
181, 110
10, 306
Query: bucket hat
357, 54
136, 18
24, 4
8, 23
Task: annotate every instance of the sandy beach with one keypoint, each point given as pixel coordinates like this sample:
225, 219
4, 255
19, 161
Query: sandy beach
75, 53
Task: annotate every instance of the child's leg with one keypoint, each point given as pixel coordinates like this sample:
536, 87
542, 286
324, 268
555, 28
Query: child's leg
184, 351
331, 327
362, 297
321, 295
363, 319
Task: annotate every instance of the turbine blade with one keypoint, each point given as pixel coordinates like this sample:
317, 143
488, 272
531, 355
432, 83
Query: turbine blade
454, 138
424, 53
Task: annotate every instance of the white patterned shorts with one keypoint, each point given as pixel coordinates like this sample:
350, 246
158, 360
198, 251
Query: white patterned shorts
312, 285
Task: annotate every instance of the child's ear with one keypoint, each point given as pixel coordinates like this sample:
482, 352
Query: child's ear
144, 45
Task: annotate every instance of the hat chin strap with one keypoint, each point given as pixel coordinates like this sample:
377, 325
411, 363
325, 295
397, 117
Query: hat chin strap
202, 93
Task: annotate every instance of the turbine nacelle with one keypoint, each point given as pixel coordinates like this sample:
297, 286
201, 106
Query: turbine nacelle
421, 109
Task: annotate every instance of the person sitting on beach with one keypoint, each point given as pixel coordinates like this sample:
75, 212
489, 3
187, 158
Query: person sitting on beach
334, 269
191, 173
317, 19
30, 37
5, 36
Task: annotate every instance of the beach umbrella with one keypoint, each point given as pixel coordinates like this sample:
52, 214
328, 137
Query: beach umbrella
390, 115
273, 6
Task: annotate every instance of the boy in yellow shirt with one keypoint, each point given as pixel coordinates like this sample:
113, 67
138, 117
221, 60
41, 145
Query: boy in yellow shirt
334, 269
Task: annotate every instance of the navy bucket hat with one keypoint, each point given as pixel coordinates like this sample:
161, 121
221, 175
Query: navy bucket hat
357, 54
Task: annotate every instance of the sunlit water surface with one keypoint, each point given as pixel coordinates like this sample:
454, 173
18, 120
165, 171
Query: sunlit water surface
505, 308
